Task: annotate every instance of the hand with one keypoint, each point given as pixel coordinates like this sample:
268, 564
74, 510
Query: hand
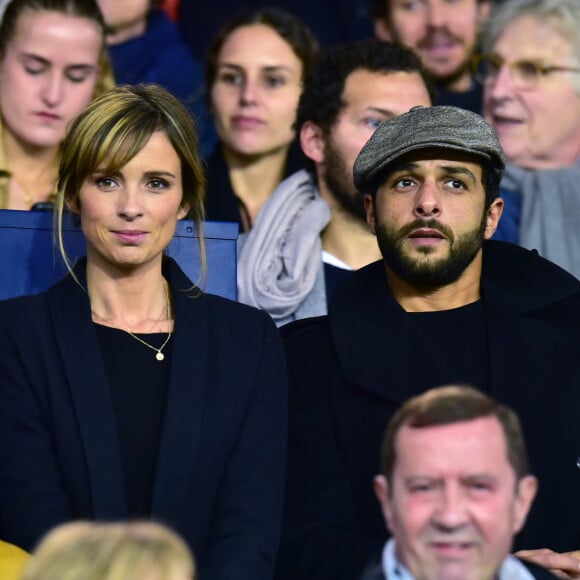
563, 565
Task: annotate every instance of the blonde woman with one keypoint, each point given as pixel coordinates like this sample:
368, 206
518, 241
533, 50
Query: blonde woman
126, 391
137, 550
52, 63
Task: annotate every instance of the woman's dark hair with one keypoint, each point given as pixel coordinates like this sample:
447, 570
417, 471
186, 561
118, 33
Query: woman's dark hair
293, 30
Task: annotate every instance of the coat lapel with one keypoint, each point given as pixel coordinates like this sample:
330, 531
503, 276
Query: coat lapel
526, 356
78, 345
175, 462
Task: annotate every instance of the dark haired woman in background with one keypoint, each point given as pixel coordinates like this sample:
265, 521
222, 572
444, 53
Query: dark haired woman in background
254, 74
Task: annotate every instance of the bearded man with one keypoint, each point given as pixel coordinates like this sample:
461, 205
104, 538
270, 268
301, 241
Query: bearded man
444, 305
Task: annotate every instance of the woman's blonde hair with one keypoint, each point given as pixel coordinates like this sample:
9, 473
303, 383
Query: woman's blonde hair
111, 130
111, 551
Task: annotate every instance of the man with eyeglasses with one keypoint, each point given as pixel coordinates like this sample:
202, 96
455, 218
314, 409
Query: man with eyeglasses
444, 305
443, 33
530, 71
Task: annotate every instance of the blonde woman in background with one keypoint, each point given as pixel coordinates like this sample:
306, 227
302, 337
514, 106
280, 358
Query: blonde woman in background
52, 63
137, 550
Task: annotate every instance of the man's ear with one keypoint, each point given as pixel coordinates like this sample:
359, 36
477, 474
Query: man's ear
370, 211
382, 493
312, 141
493, 216
526, 491
382, 30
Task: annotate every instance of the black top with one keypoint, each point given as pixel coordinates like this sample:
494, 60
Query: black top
221, 202
333, 275
138, 383
460, 335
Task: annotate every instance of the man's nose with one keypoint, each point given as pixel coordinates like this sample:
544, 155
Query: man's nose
427, 201
436, 14
451, 510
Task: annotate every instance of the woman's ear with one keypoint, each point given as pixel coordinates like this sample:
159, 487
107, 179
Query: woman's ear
183, 210
72, 205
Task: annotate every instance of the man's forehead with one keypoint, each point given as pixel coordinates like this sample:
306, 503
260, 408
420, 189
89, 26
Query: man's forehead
364, 84
475, 442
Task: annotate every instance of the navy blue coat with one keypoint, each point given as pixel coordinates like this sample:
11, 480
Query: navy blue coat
350, 371
220, 468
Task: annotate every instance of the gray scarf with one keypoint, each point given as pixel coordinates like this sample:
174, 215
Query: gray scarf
281, 257
550, 220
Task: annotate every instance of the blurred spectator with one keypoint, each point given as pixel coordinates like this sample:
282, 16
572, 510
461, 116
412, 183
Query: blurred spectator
332, 21
255, 70
444, 34
454, 474
52, 63
111, 551
531, 74
145, 47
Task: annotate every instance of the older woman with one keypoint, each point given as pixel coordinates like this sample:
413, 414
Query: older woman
52, 63
126, 391
254, 73
531, 75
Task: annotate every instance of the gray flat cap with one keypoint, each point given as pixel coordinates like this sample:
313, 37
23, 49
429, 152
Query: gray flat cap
425, 128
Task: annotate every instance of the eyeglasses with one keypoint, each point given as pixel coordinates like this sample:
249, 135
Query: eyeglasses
525, 74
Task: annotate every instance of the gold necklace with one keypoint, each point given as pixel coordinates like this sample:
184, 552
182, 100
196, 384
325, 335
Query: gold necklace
159, 356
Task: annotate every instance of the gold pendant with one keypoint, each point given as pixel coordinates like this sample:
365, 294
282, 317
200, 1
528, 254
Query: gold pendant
159, 356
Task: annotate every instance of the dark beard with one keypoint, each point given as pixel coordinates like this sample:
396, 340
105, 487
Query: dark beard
339, 181
436, 274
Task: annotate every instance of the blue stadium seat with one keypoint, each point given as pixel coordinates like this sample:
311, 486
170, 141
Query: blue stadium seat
30, 263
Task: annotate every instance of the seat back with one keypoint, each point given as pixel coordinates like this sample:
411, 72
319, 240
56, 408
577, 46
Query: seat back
30, 263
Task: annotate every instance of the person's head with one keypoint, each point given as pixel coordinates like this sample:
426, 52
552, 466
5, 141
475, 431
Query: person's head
111, 551
531, 75
443, 33
133, 139
52, 63
455, 485
430, 180
125, 20
351, 90
255, 69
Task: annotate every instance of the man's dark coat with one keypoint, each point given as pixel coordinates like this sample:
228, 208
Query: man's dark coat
351, 370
